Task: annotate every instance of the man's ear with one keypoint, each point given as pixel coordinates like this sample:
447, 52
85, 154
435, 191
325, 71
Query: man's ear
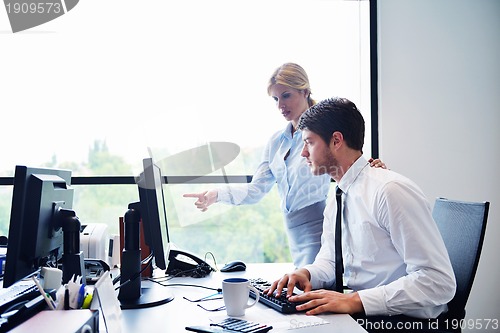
336, 139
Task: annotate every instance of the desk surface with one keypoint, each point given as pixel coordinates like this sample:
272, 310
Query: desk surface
179, 313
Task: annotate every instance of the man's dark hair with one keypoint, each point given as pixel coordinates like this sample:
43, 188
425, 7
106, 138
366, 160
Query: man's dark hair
335, 115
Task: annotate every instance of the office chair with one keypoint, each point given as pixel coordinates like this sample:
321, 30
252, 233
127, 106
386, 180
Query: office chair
462, 226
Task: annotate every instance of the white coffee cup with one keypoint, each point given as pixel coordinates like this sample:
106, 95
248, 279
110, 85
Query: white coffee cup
236, 294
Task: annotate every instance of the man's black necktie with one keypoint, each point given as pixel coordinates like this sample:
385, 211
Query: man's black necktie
339, 264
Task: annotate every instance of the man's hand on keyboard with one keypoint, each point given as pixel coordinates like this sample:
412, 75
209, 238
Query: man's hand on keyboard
321, 301
298, 278
314, 302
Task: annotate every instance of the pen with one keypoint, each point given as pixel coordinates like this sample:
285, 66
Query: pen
87, 301
81, 295
48, 300
66, 297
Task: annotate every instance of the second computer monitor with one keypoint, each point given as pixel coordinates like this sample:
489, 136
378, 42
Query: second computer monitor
153, 212
35, 232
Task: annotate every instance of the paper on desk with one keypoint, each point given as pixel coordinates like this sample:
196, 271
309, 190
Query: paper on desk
279, 321
106, 302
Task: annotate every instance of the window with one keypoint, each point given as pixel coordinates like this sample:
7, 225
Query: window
112, 82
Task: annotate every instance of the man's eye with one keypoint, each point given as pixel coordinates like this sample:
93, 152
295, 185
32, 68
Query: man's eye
287, 95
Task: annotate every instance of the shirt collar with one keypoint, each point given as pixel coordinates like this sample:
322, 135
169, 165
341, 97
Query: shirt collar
352, 174
287, 132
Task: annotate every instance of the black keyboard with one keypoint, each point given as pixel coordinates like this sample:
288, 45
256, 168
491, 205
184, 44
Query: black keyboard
19, 302
17, 294
281, 304
232, 325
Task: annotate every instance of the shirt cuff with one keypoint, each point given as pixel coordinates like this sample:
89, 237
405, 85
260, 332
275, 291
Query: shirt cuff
313, 272
373, 301
223, 195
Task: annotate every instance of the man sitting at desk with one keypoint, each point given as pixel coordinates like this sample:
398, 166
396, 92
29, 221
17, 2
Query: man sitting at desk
394, 258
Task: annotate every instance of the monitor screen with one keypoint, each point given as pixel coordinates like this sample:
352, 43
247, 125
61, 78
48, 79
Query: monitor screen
35, 234
153, 212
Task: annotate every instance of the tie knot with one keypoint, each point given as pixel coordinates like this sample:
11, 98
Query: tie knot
338, 191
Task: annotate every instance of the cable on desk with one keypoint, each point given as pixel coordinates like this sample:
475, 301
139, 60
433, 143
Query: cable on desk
219, 290
181, 273
213, 257
217, 295
144, 261
199, 271
148, 260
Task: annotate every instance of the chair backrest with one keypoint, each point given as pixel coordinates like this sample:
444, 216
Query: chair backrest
462, 226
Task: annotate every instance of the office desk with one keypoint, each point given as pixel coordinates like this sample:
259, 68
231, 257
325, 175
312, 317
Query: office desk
179, 313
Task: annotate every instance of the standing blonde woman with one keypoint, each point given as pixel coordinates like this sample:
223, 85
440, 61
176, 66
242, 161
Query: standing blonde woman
303, 195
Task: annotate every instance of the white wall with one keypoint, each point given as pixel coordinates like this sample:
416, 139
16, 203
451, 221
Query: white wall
439, 112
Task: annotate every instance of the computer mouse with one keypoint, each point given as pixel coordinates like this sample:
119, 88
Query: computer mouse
234, 266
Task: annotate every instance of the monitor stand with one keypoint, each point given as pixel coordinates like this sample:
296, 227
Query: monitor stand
156, 295
131, 295
72, 258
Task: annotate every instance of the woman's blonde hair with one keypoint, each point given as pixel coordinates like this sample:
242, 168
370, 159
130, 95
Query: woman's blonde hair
293, 76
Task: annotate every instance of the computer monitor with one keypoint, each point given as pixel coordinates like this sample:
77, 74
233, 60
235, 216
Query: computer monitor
154, 213
35, 232
150, 210
154, 218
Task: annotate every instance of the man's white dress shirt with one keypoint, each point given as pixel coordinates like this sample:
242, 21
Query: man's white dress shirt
393, 253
